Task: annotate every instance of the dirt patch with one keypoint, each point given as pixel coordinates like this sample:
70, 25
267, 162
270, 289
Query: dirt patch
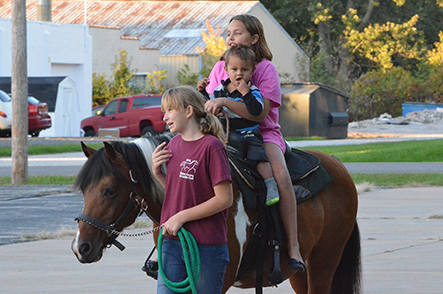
427, 123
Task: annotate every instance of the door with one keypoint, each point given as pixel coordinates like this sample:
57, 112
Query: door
114, 116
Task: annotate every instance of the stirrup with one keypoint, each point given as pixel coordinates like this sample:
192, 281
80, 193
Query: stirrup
151, 269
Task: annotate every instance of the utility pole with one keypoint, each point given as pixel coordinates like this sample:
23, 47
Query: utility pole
19, 90
44, 8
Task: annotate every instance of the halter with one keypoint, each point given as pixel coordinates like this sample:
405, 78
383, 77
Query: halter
135, 201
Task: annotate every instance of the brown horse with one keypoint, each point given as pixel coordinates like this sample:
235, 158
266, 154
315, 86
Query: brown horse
117, 177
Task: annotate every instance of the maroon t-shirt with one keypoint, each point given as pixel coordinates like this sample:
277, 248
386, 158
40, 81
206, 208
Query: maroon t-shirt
193, 170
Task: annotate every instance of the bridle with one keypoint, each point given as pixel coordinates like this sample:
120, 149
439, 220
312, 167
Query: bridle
135, 202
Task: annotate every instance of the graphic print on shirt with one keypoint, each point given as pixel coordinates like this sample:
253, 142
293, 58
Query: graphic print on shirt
188, 169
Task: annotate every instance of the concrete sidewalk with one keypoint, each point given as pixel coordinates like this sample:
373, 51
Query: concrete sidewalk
402, 245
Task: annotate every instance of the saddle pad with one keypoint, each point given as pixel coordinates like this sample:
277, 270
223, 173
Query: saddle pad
304, 168
300, 163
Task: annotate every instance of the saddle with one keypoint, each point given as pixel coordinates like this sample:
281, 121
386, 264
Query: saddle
308, 177
304, 169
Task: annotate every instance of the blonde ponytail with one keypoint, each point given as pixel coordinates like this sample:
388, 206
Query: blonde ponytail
183, 96
210, 124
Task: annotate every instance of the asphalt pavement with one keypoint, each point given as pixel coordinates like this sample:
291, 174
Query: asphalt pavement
401, 233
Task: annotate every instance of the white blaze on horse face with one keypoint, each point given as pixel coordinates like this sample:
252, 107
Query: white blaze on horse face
242, 224
74, 245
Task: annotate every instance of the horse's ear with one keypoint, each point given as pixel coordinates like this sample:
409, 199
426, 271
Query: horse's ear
113, 155
88, 151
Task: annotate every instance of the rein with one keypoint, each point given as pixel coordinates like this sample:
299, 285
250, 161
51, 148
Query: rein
192, 266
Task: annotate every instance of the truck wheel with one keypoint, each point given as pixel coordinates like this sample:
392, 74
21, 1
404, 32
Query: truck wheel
35, 134
89, 133
148, 131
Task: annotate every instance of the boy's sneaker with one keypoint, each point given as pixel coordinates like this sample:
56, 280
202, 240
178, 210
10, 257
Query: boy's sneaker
272, 196
272, 201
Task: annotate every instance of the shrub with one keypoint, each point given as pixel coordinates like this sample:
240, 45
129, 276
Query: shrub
153, 82
186, 77
429, 85
118, 85
380, 91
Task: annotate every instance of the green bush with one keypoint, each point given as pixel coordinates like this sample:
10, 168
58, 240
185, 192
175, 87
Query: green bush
118, 85
428, 87
186, 77
380, 91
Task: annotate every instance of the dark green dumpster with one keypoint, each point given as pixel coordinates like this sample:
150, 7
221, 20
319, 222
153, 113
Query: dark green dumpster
313, 109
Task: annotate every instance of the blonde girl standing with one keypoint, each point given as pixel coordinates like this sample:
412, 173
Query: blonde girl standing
197, 195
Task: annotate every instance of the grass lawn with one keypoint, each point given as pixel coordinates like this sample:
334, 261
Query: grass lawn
407, 151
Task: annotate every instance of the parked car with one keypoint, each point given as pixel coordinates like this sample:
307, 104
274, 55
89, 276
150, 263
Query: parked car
133, 115
96, 110
5, 114
38, 117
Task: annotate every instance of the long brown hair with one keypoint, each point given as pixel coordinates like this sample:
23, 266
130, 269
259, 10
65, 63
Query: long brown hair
181, 97
255, 27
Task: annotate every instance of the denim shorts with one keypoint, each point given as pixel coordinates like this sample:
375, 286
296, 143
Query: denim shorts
213, 262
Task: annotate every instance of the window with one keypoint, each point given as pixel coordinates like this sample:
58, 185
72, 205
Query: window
123, 105
111, 108
142, 102
4, 97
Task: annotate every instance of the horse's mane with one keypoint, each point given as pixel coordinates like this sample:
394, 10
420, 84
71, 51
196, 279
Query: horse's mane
137, 157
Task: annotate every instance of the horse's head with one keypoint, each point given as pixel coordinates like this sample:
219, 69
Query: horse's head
114, 181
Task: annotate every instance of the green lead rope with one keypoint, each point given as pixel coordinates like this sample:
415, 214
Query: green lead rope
192, 266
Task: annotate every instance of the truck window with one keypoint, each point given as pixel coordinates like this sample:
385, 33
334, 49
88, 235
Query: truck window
111, 108
142, 102
123, 106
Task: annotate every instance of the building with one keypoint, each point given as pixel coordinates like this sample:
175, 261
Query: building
164, 34
56, 50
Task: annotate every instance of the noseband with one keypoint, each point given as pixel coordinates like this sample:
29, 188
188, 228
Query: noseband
135, 201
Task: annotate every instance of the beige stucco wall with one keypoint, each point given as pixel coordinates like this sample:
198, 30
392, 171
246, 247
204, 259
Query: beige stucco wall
173, 63
289, 59
107, 44
291, 62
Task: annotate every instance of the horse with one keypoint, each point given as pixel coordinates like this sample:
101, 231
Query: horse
116, 181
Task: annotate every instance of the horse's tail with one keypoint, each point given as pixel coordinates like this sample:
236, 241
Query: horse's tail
347, 277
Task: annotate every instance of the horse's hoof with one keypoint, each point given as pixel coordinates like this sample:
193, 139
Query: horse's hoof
296, 265
151, 269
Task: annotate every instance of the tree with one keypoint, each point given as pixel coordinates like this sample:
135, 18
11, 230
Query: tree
322, 26
384, 44
118, 85
121, 76
101, 92
153, 82
215, 47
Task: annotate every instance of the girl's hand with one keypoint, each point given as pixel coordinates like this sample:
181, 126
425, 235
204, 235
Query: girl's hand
214, 106
159, 156
173, 225
202, 84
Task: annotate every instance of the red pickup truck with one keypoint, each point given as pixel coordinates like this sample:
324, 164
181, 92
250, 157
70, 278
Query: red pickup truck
133, 115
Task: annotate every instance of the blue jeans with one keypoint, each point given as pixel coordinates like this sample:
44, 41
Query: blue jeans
213, 260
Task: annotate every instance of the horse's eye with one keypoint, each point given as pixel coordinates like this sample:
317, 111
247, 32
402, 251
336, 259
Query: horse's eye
109, 192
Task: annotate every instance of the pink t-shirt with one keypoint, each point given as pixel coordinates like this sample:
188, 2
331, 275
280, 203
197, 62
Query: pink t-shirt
266, 79
190, 179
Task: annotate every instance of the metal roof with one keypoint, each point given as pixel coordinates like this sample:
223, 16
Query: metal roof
170, 26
